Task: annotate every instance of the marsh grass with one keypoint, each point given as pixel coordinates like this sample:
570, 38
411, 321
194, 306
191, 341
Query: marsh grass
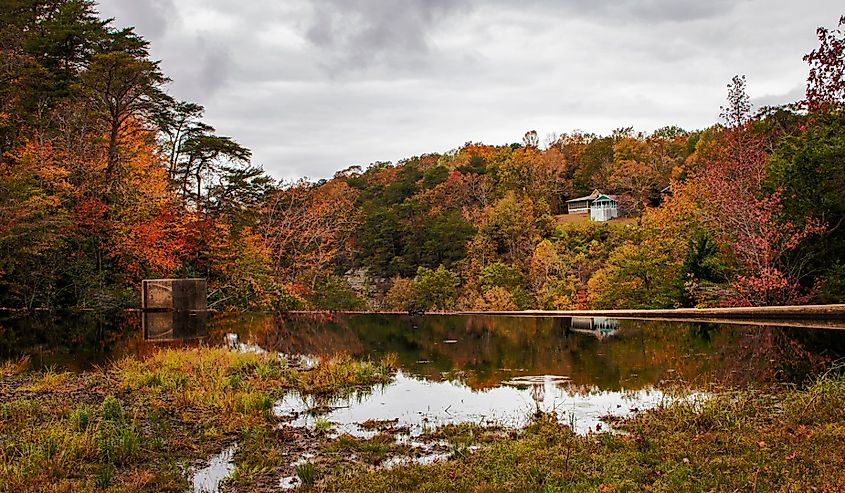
44, 447
372, 450
307, 474
261, 452
323, 426
466, 434
177, 405
11, 368
49, 380
343, 373
209, 385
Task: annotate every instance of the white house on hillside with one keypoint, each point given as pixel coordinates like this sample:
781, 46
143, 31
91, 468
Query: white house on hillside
601, 207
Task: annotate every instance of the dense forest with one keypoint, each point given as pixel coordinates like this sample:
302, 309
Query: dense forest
105, 180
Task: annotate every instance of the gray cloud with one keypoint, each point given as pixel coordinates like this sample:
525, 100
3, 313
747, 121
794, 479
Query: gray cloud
214, 66
653, 10
150, 17
314, 86
354, 34
795, 94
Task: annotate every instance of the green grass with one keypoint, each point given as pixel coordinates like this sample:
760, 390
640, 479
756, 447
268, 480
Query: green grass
344, 373
64, 449
130, 426
466, 434
323, 426
49, 381
307, 474
369, 450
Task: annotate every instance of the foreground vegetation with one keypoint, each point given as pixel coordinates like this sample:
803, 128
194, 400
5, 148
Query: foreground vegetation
137, 425
134, 426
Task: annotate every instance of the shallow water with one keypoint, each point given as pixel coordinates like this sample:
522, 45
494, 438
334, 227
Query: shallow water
481, 352
207, 479
419, 405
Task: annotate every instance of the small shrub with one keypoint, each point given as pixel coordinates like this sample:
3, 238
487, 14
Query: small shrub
307, 474
111, 409
80, 417
118, 444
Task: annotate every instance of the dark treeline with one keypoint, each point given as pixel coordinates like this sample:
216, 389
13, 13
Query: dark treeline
105, 179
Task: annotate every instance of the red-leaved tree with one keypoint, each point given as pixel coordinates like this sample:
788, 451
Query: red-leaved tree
826, 82
745, 217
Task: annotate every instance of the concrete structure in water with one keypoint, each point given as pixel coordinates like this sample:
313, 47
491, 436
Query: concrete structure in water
174, 309
174, 294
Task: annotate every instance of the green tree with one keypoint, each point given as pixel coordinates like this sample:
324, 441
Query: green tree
402, 295
643, 275
118, 87
436, 289
207, 157
507, 277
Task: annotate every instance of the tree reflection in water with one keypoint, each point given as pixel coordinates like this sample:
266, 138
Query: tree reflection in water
478, 351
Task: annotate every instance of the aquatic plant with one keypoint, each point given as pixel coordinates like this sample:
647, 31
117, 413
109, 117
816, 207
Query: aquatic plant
323, 426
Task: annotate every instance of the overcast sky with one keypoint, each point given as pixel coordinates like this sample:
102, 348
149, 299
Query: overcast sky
315, 86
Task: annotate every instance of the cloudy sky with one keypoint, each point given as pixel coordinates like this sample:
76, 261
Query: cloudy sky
313, 86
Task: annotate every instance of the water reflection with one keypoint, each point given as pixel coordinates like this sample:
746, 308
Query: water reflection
599, 327
418, 405
478, 351
174, 325
482, 351
207, 479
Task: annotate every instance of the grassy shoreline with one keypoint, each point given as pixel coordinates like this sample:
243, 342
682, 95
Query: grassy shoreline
139, 424
136, 425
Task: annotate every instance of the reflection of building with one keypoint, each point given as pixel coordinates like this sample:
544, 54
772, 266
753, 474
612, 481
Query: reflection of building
599, 327
174, 326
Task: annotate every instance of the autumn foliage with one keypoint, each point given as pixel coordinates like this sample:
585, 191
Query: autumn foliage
105, 180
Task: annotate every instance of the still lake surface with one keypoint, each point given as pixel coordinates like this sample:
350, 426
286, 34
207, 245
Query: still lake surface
453, 368
480, 352
489, 370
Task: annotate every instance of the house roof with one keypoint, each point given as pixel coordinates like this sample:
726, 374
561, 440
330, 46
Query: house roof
593, 196
609, 197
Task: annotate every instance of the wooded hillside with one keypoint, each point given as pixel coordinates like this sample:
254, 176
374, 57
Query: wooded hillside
105, 179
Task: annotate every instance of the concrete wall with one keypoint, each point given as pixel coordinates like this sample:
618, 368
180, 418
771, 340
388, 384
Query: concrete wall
174, 294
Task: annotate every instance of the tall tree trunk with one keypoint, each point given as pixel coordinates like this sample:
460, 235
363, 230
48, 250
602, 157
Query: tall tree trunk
113, 155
